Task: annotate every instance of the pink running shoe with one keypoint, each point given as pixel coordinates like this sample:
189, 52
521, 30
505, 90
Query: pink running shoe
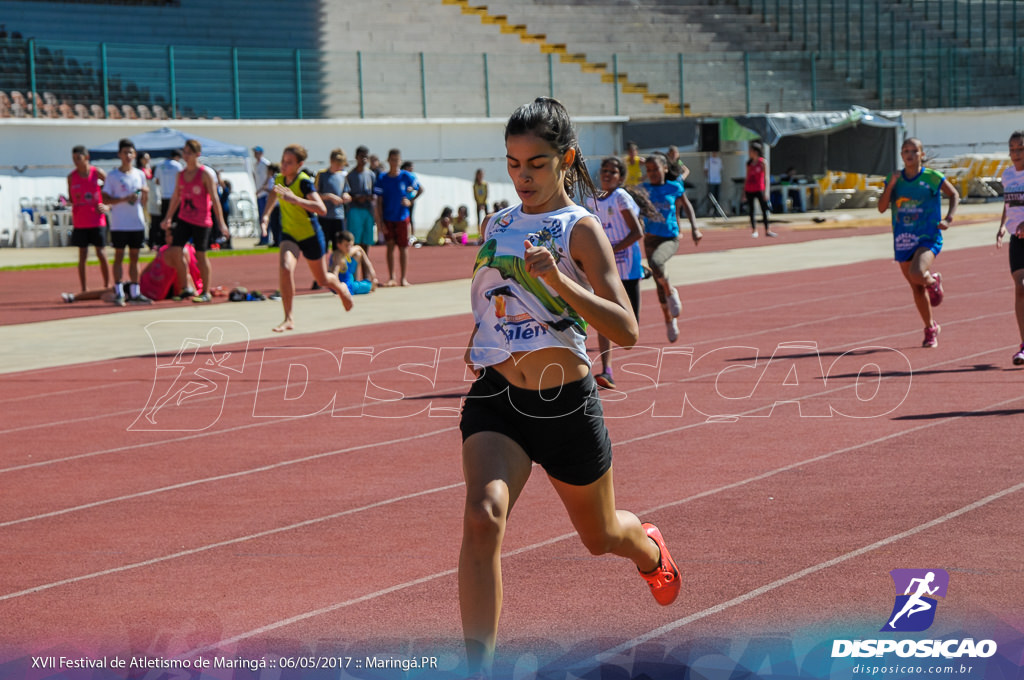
664, 580
1018, 358
605, 380
931, 336
935, 293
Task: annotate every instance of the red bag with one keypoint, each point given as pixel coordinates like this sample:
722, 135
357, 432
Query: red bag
157, 280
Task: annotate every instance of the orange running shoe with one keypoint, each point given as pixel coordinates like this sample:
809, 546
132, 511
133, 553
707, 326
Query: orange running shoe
664, 580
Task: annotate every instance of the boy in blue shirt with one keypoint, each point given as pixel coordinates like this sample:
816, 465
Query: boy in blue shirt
396, 190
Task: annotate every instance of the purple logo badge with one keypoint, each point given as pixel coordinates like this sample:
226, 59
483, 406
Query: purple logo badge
916, 590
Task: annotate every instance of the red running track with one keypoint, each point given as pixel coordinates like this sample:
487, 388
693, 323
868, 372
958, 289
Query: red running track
294, 525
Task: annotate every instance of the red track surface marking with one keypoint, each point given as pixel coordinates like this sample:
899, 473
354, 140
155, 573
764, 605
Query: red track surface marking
278, 534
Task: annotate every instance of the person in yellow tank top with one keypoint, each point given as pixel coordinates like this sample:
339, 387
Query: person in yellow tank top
634, 166
300, 232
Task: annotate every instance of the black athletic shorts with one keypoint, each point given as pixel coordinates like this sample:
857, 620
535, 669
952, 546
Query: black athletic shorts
312, 248
632, 287
1016, 253
88, 236
332, 229
182, 232
132, 240
560, 428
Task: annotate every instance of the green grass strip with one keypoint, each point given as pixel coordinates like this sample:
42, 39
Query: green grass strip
143, 259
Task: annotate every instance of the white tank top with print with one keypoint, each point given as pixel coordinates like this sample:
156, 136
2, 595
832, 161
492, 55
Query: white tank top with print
514, 311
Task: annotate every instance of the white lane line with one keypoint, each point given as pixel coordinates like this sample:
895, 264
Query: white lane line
222, 544
241, 473
768, 587
551, 541
230, 475
631, 440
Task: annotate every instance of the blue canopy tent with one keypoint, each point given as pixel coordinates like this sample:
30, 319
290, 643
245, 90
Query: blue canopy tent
159, 143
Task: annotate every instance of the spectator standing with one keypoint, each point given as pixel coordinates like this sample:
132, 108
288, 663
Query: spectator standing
634, 166
165, 176
755, 186
375, 165
270, 231
395, 190
480, 196
142, 162
87, 220
260, 172
193, 199
413, 195
330, 184
224, 198
126, 192
153, 239
359, 184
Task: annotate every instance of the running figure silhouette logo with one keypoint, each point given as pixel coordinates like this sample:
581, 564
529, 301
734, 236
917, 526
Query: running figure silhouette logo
915, 605
192, 373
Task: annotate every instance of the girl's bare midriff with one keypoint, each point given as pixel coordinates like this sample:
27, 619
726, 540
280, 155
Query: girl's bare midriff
543, 368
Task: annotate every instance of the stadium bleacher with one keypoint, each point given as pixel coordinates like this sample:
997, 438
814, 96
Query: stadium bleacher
438, 58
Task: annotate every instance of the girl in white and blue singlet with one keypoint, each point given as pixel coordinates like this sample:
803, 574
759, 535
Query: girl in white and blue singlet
1013, 217
544, 273
619, 211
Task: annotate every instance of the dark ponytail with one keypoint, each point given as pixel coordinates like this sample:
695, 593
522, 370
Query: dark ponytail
548, 119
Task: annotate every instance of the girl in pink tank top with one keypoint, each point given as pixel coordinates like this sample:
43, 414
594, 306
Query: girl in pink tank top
195, 199
84, 191
85, 199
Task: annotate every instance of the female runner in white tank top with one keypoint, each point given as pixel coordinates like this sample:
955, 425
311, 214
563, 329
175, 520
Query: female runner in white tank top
544, 273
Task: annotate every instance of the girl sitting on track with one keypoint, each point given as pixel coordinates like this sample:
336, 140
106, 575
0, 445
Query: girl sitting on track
661, 237
917, 224
300, 231
545, 271
619, 211
349, 261
1013, 215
